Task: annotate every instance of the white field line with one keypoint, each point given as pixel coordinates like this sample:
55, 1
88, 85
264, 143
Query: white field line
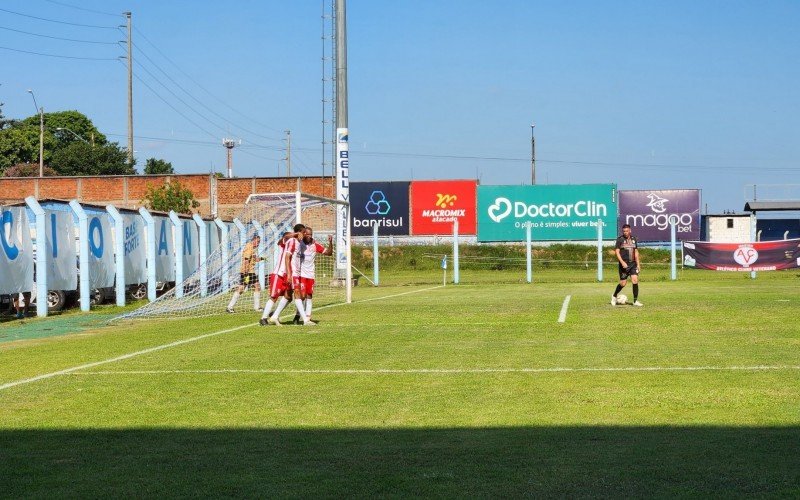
130, 355
562, 317
440, 371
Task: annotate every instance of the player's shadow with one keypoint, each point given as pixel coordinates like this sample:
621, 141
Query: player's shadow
485, 462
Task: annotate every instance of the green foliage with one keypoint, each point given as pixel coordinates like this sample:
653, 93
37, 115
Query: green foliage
170, 196
28, 170
20, 144
64, 146
155, 166
73, 121
5, 122
79, 158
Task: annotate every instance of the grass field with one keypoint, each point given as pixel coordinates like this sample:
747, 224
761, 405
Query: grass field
468, 390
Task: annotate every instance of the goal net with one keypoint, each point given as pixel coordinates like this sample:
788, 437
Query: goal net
208, 290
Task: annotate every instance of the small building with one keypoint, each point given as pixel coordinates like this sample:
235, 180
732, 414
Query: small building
727, 228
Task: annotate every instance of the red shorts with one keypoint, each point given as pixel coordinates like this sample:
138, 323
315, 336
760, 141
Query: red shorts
305, 285
277, 285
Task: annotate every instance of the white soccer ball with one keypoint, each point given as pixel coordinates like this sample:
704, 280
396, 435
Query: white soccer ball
622, 299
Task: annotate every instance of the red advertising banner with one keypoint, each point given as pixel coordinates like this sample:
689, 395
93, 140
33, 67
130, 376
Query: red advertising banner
761, 256
435, 205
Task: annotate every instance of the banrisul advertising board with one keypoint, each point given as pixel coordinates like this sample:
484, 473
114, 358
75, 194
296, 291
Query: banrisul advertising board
382, 204
650, 213
554, 212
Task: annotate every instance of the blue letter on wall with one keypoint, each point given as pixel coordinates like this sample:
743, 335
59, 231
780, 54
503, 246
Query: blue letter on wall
54, 232
11, 250
162, 239
96, 248
187, 239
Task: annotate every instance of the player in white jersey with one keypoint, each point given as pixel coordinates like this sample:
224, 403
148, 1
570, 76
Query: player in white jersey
303, 272
280, 279
277, 278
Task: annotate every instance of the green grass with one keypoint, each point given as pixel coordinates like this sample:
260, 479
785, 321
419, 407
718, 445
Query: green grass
171, 423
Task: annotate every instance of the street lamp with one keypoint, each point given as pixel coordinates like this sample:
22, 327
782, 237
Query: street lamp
41, 133
73, 133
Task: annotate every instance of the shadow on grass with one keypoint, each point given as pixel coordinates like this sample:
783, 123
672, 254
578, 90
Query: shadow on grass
529, 461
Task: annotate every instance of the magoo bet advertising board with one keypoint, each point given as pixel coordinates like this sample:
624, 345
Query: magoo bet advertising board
651, 213
384, 204
554, 212
435, 205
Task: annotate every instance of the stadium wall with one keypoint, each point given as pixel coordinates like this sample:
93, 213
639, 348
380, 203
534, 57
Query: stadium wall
127, 191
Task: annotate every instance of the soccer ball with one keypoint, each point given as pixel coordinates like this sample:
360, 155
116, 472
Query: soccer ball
622, 299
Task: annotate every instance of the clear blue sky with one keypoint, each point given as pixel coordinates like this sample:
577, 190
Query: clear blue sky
645, 94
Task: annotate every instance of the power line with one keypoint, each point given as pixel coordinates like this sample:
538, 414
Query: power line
57, 21
60, 56
142, 52
58, 37
171, 106
200, 86
189, 106
568, 162
84, 9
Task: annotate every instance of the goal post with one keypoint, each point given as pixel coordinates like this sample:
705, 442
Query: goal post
208, 286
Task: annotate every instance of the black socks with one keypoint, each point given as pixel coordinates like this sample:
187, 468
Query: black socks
619, 289
635, 291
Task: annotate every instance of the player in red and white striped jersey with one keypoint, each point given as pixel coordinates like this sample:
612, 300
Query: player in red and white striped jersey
280, 279
277, 278
303, 272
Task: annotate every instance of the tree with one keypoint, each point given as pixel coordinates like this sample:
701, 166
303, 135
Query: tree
20, 144
28, 170
158, 167
5, 122
170, 196
74, 125
65, 138
79, 158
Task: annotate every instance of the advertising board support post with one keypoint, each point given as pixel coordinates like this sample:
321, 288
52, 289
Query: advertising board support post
529, 266
673, 265
150, 223
202, 231
41, 255
262, 247
177, 230
375, 272
119, 252
225, 247
753, 237
600, 250
83, 243
455, 252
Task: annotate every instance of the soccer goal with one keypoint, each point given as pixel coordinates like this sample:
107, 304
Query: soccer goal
208, 289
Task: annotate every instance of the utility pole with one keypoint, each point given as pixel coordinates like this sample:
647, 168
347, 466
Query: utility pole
229, 145
288, 153
533, 156
130, 91
41, 133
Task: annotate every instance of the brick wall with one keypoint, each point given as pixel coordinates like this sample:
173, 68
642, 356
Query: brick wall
128, 191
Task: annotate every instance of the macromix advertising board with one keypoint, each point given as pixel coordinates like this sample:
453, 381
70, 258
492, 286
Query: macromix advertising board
554, 212
436, 205
650, 213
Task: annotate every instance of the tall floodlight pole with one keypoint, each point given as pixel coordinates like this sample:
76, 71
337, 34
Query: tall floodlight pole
533, 156
342, 144
130, 90
229, 145
41, 133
